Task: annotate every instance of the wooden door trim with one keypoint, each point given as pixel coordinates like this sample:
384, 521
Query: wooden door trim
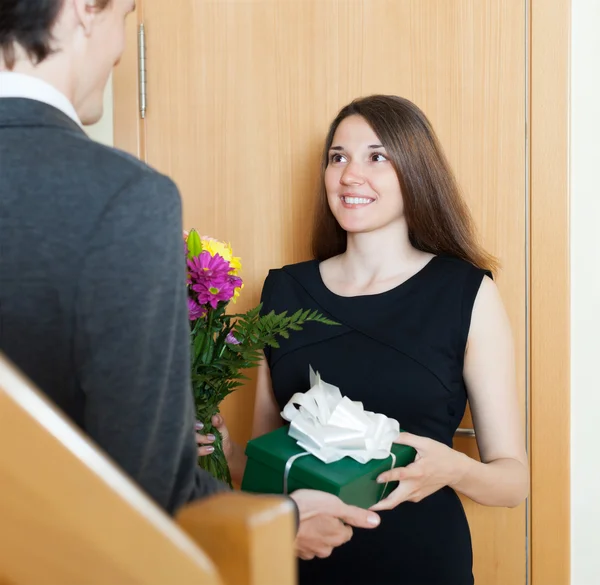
549, 292
128, 127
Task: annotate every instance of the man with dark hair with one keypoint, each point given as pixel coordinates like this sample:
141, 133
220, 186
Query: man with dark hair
92, 296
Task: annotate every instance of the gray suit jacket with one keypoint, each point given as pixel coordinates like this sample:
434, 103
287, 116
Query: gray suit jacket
92, 299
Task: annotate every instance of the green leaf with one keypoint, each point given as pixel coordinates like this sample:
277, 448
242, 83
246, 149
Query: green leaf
217, 368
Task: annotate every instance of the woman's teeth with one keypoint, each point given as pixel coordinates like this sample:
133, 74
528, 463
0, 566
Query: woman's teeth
356, 200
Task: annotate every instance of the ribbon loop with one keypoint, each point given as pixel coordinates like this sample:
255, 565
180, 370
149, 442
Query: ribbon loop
331, 426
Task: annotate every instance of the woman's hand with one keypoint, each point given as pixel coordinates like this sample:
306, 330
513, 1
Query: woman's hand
435, 467
234, 453
204, 441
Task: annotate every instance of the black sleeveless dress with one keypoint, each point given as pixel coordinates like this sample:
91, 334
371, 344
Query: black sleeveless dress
400, 353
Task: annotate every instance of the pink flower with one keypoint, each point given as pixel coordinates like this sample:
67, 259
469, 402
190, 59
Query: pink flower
205, 267
195, 310
209, 279
231, 339
215, 290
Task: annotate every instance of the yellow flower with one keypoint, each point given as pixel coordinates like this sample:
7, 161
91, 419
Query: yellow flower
236, 293
224, 250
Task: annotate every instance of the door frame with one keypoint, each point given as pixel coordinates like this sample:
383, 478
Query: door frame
548, 269
549, 295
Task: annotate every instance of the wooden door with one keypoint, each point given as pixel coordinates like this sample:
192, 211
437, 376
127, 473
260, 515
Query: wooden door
241, 92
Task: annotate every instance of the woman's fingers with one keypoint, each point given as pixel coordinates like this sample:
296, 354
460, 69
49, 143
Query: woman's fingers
218, 422
204, 444
204, 439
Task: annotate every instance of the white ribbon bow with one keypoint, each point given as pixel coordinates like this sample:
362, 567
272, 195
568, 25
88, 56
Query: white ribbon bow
331, 426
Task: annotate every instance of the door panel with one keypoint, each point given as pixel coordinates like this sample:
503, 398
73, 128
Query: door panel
240, 95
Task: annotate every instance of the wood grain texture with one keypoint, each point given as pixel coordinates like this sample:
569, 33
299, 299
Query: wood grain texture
249, 548
550, 293
69, 516
241, 94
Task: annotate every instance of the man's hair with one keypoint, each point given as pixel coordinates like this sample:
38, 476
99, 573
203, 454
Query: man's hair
29, 24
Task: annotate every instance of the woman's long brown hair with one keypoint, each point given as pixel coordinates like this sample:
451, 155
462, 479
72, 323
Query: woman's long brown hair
437, 217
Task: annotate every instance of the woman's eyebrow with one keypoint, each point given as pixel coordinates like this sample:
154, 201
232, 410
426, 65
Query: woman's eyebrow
372, 146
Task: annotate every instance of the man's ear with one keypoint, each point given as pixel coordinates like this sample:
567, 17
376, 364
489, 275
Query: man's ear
85, 13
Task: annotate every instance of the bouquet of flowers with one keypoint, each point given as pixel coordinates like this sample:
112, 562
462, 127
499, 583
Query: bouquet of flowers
223, 344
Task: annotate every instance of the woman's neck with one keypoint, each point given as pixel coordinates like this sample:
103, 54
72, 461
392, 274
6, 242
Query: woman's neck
381, 254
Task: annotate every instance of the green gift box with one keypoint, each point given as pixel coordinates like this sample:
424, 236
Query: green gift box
353, 482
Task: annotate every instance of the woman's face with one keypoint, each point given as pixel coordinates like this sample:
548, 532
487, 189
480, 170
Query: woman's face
362, 186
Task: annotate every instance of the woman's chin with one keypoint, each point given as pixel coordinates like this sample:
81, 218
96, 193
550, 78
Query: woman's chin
356, 225
355, 230
364, 225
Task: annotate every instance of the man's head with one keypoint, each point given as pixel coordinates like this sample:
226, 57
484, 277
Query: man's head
71, 44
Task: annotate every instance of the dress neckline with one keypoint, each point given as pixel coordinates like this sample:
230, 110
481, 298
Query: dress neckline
402, 286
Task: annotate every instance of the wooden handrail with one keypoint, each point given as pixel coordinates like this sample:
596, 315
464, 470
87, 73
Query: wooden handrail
68, 515
249, 538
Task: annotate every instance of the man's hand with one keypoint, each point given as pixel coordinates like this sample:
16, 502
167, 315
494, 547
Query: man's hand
325, 523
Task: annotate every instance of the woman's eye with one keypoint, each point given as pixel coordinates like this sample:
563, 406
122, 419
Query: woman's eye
378, 157
337, 158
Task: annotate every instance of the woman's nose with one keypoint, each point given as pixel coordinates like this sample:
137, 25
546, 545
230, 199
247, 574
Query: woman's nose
352, 175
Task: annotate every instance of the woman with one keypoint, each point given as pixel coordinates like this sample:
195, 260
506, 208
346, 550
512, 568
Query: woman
422, 328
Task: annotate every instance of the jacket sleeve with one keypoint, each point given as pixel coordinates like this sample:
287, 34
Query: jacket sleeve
132, 343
